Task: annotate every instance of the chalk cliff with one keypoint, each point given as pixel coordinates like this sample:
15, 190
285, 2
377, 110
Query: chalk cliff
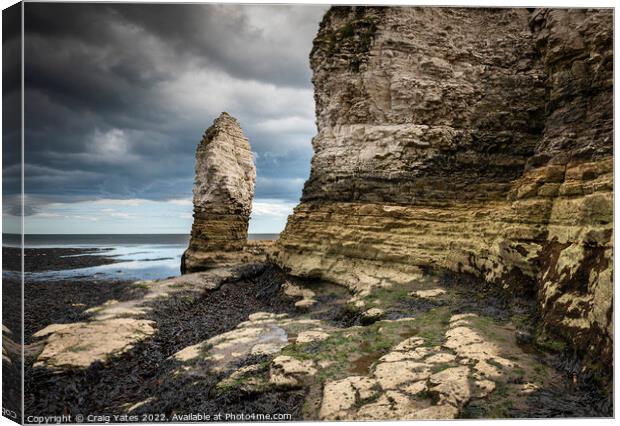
223, 192
477, 140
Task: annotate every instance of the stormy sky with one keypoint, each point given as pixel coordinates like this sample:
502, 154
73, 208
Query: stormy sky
118, 96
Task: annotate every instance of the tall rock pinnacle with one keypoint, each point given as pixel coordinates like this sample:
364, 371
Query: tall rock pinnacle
223, 192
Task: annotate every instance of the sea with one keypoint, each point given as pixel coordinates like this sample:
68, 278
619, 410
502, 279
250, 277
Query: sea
140, 256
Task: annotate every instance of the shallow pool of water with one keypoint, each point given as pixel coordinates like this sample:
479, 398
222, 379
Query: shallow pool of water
135, 262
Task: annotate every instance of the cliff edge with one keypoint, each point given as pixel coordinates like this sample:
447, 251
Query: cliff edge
476, 140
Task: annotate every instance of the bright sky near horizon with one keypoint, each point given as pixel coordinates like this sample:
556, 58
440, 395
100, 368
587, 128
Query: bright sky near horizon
117, 96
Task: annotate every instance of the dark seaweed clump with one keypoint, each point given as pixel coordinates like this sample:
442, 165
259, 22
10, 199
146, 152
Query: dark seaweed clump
182, 320
64, 301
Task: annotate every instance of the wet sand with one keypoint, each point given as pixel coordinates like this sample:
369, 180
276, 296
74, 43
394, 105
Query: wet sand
54, 259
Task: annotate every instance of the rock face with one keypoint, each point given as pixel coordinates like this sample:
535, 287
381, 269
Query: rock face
478, 140
572, 171
223, 192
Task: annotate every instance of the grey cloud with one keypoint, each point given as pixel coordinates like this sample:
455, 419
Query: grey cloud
154, 77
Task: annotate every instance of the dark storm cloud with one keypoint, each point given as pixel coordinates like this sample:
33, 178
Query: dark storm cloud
222, 36
117, 96
11, 108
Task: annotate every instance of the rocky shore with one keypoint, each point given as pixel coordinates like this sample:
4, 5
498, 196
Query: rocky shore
61, 300
253, 339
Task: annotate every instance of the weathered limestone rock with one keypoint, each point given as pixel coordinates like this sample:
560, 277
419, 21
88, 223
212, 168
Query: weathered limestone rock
391, 405
428, 294
418, 111
246, 378
80, 344
223, 192
290, 372
392, 375
372, 315
341, 396
311, 336
223, 350
478, 140
307, 296
10, 349
264, 333
417, 381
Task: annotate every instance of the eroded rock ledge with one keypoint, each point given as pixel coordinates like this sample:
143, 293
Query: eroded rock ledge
223, 192
478, 140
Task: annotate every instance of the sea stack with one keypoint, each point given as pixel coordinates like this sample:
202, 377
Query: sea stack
223, 192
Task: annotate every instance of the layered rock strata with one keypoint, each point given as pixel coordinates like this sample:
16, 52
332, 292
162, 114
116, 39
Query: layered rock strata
478, 140
223, 192
571, 178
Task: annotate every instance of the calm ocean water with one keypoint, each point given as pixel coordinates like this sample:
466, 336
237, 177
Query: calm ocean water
141, 256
